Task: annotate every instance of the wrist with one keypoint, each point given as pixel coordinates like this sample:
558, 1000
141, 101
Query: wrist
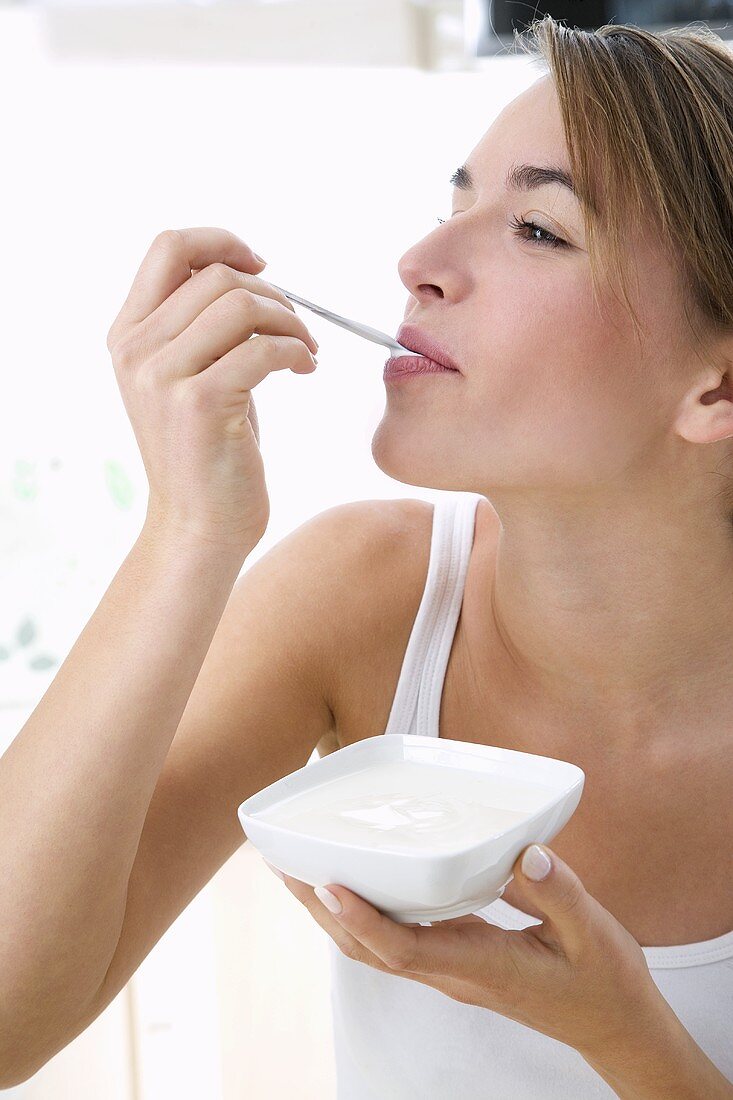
628, 1051
656, 1059
194, 538
201, 567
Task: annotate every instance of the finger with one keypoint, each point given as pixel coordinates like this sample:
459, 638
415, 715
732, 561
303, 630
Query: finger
169, 261
184, 305
569, 914
353, 948
228, 322
450, 951
246, 365
345, 942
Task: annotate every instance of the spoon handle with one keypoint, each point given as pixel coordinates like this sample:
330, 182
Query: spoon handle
366, 331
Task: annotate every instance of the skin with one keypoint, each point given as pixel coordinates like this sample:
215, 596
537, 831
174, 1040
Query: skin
581, 443
596, 621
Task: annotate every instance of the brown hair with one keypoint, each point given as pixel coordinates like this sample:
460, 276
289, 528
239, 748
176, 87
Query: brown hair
648, 121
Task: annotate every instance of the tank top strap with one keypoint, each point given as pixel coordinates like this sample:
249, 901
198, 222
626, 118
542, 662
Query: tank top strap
416, 704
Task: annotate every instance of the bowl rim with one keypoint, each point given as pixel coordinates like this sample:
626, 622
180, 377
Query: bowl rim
554, 798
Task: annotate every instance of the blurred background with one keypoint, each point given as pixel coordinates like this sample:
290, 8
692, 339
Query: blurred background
324, 133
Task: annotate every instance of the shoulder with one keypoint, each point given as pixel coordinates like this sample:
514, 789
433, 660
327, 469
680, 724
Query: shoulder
353, 576
342, 572
372, 556
379, 552
387, 522
342, 591
361, 532
368, 558
375, 556
367, 529
365, 551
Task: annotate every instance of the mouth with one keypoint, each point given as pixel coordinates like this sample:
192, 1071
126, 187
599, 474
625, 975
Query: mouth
411, 337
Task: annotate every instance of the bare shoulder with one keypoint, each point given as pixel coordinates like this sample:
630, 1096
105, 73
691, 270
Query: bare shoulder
337, 558
362, 540
387, 570
363, 523
377, 563
367, 560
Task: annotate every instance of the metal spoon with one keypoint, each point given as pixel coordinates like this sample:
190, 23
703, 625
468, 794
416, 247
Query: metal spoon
353, 326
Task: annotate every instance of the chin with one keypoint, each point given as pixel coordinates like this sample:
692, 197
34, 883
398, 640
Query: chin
413, 462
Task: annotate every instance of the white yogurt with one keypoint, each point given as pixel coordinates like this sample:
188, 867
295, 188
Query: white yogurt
406, 805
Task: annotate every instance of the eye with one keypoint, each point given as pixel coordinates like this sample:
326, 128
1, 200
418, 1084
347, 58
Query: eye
527, 230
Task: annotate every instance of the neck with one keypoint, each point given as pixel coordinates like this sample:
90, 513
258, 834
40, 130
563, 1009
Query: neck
621, 610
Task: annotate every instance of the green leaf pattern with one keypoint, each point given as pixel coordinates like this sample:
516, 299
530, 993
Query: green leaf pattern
119, 484
26, 632
24, 486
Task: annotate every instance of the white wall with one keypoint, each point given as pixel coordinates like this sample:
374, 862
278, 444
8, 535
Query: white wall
330, 173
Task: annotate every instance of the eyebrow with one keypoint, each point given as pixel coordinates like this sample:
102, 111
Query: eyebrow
520, 177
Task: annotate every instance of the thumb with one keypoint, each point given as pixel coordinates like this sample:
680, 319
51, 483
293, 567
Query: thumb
556, 892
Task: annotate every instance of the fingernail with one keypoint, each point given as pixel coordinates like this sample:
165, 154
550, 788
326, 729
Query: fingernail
274, 870
329, 900
314, 359
536, 864
259, 258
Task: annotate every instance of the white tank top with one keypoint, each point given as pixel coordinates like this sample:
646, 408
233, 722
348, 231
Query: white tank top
396, 1039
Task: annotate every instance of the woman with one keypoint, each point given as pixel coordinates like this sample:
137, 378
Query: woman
595, 596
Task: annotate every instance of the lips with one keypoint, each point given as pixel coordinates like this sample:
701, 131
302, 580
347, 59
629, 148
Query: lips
411, 337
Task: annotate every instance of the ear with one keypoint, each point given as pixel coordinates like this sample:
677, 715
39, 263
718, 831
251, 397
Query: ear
706, 411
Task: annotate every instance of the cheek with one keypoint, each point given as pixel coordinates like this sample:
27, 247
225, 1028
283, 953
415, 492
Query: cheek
531, 364
554, 394
557, 392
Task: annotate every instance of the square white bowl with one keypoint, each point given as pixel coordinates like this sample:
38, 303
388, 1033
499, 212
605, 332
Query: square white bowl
410, 886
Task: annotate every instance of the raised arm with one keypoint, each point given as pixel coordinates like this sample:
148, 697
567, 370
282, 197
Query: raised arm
77, 781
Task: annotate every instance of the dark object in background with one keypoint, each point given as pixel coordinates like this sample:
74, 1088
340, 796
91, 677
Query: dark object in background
510, 15
498, 19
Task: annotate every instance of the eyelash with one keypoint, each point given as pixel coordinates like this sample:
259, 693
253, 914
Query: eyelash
522, 228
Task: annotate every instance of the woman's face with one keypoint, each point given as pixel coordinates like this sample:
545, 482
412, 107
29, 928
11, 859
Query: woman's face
553, 394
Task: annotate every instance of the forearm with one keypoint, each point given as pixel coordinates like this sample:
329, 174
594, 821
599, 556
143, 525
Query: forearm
660, 1061
77, 781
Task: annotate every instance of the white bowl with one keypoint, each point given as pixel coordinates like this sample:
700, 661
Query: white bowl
417, 885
